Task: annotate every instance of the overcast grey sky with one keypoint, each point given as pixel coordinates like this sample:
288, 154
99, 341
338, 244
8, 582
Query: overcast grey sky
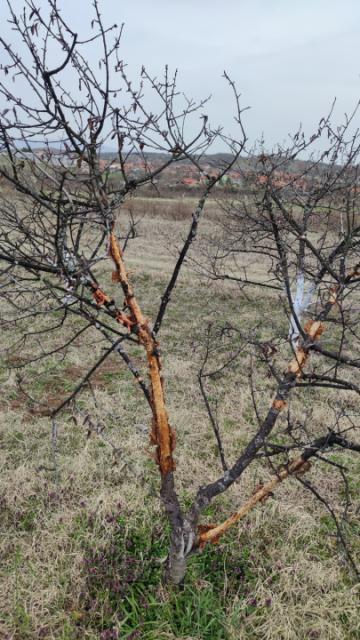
288, 58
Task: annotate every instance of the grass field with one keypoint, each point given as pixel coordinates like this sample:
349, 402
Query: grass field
83, 538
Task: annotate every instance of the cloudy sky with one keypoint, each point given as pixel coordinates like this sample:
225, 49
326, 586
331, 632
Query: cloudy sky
289, 59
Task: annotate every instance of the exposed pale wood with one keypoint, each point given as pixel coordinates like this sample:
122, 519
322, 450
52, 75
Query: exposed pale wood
212, 534
313, 329
162, 434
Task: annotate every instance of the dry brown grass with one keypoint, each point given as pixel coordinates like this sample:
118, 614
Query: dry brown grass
55, 504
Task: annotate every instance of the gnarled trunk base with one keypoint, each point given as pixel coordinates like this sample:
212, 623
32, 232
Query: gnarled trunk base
181, 546
176, 567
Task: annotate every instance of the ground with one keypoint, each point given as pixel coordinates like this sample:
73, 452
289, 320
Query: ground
83, 538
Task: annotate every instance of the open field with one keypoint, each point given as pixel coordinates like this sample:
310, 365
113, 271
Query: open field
83, 539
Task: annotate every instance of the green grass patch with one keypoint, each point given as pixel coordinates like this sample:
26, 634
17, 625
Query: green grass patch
124, 595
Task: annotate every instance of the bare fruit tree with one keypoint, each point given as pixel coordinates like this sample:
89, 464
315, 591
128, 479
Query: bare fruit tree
64, 227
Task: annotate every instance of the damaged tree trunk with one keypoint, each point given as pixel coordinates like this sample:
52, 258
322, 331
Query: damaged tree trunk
162, 435
187, 536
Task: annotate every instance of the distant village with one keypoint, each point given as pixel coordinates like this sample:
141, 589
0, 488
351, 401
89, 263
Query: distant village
181, 174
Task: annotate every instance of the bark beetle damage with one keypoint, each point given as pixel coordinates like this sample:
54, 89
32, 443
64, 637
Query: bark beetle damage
211, 533
162, 435
313, 329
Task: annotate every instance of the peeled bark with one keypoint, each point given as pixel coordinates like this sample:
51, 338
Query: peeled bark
162, 435
212, 533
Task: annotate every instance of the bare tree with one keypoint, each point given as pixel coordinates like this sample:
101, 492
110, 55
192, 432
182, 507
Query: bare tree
62, 224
